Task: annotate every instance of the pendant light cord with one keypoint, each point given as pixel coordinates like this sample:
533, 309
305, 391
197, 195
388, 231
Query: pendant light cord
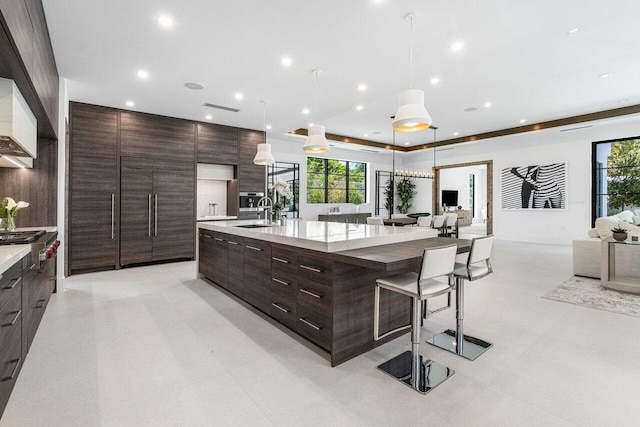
411, 54
317, 92
264, 119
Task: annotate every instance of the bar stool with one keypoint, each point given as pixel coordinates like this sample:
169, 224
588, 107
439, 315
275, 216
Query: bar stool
450, 225
410, 367
424, 221
438, 224
478, 266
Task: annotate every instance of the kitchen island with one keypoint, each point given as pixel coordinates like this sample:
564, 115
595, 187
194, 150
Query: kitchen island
317, 278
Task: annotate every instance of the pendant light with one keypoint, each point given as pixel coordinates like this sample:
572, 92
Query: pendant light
263, 156
316, 141
412, 116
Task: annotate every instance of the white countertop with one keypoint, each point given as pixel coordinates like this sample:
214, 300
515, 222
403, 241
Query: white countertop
322, 236
216, 218
10, 254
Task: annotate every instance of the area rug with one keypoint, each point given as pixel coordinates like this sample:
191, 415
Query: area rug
589, 293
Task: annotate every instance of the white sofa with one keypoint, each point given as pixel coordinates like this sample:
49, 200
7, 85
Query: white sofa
587, 252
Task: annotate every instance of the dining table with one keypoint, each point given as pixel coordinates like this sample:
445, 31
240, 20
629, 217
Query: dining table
400, 222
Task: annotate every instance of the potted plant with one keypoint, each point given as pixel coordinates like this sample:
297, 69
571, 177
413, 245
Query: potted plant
8, 209
280, 193
619, 234
388, 197
405, 189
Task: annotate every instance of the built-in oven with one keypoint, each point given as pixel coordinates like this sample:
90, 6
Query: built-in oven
248, 205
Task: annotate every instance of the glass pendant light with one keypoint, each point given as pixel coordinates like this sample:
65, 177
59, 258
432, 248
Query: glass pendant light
263, 156
411, 116
316, 141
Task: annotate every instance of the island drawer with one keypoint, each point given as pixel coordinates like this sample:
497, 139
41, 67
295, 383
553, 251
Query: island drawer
284, 261
284, 285
257, 253
10, 359
283, 310
315, 294
10, 282
314, 325
317, 269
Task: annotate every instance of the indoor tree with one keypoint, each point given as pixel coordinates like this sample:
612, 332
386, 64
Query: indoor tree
405, 189
623, 174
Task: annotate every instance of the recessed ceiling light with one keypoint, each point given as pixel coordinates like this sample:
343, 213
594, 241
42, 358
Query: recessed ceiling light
435, 80
143, 75
239, 96
268, 127
208, 117
310, 124
194, 86
523, 121
130, 104
165, 21
457, 46
605, 75
456, 134
366, 135
487, 105
362, 87
359, 107
305, 111
406, 143
286, 61
573, 31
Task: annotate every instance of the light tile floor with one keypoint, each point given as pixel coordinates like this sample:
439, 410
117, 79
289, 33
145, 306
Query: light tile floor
155, 346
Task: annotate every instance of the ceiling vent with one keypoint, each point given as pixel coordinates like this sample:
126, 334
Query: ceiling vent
369, 151
576, 128
221, 107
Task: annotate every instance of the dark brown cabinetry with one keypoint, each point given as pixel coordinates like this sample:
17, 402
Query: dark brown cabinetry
217, 144
257, 273
156, 219
251, 177
236, 265
93, 188
220, 252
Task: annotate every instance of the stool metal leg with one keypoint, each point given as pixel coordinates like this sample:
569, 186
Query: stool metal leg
456, 341
410, 367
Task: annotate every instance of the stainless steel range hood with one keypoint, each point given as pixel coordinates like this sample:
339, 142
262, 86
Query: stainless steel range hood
18, 128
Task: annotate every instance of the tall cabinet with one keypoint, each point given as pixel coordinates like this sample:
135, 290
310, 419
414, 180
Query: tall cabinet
251, 177
93, 188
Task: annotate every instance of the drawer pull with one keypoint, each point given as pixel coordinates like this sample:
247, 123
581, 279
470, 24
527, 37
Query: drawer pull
280, 308
313, 294
206, 236
15, 319
15, 369
282, 282
233, 243
306, 267
38, 305
219, 239
284, 261
13, 285
253, 248
306, 322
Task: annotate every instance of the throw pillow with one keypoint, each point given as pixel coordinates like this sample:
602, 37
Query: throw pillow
630, 228
593, 233
636, 220
604, 226
626, 216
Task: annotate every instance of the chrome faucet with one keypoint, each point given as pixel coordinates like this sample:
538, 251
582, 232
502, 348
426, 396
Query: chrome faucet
266, 203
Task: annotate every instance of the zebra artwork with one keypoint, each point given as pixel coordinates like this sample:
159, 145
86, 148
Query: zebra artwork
535, 187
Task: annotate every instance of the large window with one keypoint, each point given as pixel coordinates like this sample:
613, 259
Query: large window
336, 181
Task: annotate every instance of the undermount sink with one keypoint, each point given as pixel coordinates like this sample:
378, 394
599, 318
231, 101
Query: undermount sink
253, 226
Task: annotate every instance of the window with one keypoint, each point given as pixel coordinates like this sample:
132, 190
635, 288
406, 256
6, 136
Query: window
336, 181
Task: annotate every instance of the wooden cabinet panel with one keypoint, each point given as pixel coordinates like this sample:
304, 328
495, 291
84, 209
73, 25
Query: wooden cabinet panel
236, 265
220, 260
156, 137
93, 188
217, 144
205, 253
136, 217
251, 178
16, 15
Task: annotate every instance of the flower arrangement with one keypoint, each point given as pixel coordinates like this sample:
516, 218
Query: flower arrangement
8, 209
281, 193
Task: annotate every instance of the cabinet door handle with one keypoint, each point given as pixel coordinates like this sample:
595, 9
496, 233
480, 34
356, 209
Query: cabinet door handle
219, 239
149, 232
15, 369
284, 261
38, 305
14, 284
253, 248
113, 216
206, 236
280, 308
156, 215
306, 267
233, 243
306, 322
15, 319
282, 282
313, 294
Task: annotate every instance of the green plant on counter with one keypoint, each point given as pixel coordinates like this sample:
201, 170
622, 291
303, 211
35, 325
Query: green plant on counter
405, 189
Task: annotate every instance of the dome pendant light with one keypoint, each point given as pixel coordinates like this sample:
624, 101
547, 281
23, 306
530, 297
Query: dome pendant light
412, 116
316, 141
263, 156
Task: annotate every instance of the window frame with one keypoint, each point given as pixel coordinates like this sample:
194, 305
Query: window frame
325, 163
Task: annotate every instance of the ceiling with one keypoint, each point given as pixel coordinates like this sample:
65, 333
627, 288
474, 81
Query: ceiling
518, 56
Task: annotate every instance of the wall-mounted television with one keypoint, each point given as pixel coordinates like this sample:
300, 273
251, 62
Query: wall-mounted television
449, 197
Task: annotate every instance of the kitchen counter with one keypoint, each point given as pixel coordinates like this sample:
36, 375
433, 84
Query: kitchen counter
10, 254
215, 218
321, 236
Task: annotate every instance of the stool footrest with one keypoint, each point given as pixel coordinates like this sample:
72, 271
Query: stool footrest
428, 374
471, 349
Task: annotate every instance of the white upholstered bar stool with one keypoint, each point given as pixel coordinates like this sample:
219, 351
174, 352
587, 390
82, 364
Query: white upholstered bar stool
410, 367
450, 225
438, 224
375, 220
478, 266
424, 221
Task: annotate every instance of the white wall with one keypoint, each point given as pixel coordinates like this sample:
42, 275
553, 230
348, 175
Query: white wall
458, 179
549, 146
211, 191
